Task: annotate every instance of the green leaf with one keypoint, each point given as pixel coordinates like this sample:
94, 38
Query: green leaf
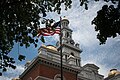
81, 3
86, 7
35, 45
14, 67
42, 39
0, 74
21, 57
12, 61
0, 67
27, 45
44, 14
5, 57
21, 44
36, 40
4, 69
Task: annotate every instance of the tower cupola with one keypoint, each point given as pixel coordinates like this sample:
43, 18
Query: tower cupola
64, 22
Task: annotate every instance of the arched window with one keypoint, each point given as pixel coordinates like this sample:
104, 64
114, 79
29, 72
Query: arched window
29, 78
72, 54
58, 77
67, 34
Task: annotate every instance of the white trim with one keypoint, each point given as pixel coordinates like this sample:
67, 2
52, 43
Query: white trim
42, 77
30, 78
58, 75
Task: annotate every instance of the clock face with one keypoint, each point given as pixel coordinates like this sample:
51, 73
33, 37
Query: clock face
72, 42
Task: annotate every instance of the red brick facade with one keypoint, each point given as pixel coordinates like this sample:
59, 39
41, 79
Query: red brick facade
32, 73
47, 71
50, 72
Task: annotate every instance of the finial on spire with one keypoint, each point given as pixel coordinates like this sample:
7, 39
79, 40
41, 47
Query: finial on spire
64, 17
64, 22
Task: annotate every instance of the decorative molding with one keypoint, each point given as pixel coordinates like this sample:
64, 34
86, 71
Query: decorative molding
72, 47
57, 65
43, 78
58, 75
41, 60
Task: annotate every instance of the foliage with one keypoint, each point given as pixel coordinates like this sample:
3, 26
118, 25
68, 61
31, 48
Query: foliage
20, 19
107, 22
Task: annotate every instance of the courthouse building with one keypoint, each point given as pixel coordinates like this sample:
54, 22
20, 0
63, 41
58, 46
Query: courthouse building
46, 66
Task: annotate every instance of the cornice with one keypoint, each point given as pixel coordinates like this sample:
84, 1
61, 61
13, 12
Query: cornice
91, 65
40, 60
57, 65
72, 47
66, 29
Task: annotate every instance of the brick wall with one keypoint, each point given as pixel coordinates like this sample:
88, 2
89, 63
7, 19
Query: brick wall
33, 73
50, 72
47, 71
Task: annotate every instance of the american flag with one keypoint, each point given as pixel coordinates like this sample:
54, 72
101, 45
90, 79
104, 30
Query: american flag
49, 31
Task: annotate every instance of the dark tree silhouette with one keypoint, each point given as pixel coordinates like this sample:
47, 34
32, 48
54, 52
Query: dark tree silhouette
19, 21
107, 22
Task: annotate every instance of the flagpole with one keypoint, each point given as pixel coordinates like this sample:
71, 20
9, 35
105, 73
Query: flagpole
61, 51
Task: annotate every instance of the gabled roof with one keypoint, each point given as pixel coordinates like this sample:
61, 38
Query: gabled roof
91, 65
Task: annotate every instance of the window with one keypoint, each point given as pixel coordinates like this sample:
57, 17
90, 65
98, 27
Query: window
29, 78
49, 55
72, 54
42, 78
76, 62
58, 77
67, 34
43, 51
66, 58
65, 24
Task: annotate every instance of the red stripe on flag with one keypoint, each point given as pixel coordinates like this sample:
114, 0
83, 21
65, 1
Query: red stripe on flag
48, 31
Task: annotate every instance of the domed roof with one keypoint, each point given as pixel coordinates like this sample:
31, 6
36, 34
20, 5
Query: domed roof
64, 18
16, 79
113, 72
28, 62
118, 72
51, 47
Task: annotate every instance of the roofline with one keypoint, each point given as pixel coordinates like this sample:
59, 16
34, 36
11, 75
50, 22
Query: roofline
72, 47
94, 66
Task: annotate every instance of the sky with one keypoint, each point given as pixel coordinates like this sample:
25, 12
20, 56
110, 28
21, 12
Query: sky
105, 56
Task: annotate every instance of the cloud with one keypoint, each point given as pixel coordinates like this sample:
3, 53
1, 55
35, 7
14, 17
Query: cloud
11, 73
106, 56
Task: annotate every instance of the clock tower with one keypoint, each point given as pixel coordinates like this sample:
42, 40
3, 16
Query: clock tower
70, 49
